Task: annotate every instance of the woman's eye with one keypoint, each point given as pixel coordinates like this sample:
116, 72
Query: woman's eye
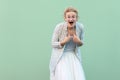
73, 16
68, 16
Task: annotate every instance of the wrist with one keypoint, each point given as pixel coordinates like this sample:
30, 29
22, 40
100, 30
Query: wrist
62, 43
79, 43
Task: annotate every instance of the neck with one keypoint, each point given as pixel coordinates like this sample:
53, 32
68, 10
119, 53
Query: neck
70, 28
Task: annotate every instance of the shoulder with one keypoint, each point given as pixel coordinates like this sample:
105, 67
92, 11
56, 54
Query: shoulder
79, 25
60, 25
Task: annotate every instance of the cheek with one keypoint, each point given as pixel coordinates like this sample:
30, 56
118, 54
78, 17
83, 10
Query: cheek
75, 19
66, 19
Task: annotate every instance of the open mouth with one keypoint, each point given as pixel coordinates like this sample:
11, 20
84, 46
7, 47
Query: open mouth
71, 23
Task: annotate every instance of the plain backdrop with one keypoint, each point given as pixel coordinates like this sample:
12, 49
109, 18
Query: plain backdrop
26, 28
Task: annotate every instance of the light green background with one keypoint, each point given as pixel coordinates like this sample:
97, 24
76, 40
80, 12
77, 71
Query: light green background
26, 28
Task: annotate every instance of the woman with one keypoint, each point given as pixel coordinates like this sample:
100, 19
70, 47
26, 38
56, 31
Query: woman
65, 63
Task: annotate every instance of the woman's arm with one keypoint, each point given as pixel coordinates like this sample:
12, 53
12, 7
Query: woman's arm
55, 37
56, 43
66, 39
79, 39
82, 34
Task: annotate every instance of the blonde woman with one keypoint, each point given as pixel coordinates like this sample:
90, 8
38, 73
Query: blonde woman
65, 63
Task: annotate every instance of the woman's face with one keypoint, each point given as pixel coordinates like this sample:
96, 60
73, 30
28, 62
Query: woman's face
71, 18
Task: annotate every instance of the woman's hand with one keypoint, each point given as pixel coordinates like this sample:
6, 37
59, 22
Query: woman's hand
66, 39
77, 40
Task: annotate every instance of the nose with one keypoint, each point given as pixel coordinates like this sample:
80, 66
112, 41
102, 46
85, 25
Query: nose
71, 19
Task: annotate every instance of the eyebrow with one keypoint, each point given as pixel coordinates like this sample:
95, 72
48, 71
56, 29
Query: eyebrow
71, 16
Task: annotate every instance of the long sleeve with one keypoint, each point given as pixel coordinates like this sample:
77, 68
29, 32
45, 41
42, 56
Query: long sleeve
82, 33
55, 37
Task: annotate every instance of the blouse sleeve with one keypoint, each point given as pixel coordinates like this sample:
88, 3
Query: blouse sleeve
55, 37
82, 33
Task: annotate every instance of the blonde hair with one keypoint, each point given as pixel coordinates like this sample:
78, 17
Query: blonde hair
70, 9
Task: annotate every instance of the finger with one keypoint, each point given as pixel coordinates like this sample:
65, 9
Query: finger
68, 34
74, 35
